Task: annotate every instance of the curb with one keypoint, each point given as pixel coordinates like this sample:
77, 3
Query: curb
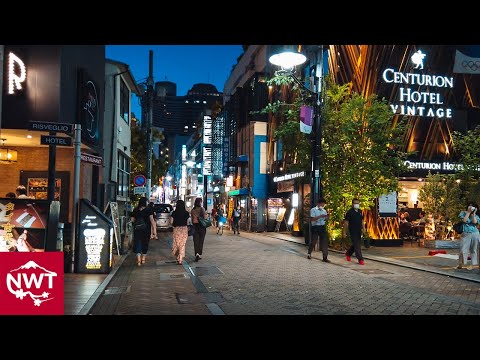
394, 262
96, 295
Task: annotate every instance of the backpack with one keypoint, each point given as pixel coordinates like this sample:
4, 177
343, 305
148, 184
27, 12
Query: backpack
140, 223
458, 227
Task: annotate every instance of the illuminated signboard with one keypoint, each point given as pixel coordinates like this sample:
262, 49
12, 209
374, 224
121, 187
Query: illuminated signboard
444, 166
288, 176
426, 103
94, 245
207, 130
23, 224
207, 160
17, 73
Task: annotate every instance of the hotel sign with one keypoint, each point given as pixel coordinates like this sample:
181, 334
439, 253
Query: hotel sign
289, 176
419, 103
444, 166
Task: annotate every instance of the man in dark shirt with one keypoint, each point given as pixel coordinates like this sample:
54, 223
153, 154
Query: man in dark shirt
354, 222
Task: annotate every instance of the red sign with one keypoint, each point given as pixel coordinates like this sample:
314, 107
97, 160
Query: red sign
139, 180
91, 159
31, 283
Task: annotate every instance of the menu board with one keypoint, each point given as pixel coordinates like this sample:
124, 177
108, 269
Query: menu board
37, 188
387, 205
23, 225
94, 245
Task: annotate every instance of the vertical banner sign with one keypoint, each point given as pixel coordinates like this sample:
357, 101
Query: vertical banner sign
207, 145
306, 119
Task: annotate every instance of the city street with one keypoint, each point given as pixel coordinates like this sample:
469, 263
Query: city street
257, 274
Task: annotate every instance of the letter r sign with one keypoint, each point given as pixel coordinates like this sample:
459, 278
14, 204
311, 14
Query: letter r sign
31, 283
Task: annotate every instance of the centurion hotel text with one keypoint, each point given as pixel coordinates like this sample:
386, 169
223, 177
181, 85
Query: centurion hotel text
424, 103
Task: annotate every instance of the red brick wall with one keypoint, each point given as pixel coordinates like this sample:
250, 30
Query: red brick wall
35, 159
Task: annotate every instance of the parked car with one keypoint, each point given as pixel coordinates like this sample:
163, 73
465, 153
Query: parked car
163, 213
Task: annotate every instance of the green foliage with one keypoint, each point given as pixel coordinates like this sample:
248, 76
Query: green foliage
442, 196
138, 165
359, 156
467, 147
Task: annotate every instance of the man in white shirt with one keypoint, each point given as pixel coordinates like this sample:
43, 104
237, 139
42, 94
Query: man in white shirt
318, 218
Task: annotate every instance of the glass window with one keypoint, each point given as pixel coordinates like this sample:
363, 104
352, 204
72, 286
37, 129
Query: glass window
123, 174
124, 101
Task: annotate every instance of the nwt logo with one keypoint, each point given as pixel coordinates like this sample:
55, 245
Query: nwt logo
32, 283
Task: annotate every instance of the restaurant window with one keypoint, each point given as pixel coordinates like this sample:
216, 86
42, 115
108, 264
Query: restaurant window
123, 174
124, 100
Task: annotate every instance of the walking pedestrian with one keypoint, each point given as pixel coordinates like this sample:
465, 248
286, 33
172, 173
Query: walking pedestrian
214, 217
236, 216
470, 236
180, 230
199, 234
354, 222
318, 218
144, 229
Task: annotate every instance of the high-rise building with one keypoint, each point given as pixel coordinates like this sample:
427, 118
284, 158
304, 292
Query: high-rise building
182, 114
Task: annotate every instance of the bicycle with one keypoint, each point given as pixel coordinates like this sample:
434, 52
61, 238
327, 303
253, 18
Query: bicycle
220, 222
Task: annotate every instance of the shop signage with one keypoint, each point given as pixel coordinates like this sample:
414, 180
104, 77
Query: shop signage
419, 103
285, 186
55, 140
17, 73
94, 245
288, 176
207, 160
50, 126
207, 130
139, 190
91, 159
387, 205
444, 166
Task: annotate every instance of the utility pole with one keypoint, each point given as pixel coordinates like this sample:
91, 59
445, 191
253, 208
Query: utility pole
150, 84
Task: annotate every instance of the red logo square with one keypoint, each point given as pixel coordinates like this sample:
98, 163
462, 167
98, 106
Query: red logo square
31, 283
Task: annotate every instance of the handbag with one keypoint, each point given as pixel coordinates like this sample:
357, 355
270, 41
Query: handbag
191, 230
458, 227
204, 222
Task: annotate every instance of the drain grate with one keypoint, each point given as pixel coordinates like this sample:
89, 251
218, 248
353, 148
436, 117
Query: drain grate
117, 290
174, 276
372, 271
206, 270
199, 298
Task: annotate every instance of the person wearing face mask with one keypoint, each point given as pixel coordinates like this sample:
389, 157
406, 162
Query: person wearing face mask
354, 222
470, 236
318, 218
236, 216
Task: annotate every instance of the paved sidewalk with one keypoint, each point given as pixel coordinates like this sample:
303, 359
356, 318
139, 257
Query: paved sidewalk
160, 287
409, 255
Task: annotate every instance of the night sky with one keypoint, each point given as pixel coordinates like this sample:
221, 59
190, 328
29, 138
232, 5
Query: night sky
184, 65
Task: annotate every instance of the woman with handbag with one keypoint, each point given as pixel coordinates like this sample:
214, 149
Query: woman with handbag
470, 236
144, 229
200, 230
179, 221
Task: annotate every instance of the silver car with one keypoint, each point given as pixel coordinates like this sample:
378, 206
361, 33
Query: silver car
163, 213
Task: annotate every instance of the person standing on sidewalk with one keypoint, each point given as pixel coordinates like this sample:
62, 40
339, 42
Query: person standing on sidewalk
354, 222
318, 218
144, 229
200, 231
180, 230
470, 236
236, 216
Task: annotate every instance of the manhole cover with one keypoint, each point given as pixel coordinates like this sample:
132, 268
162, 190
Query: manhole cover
174, 276
117, 290
165, 262
199, 298
372, 271
206, 270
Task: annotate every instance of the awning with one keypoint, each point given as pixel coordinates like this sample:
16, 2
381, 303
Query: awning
243, 191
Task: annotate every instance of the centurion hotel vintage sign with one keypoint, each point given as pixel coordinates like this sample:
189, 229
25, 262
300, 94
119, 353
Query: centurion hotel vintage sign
426, 103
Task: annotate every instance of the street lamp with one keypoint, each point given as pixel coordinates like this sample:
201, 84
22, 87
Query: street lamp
287, 60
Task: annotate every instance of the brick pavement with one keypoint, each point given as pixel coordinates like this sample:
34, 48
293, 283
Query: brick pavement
256, 274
